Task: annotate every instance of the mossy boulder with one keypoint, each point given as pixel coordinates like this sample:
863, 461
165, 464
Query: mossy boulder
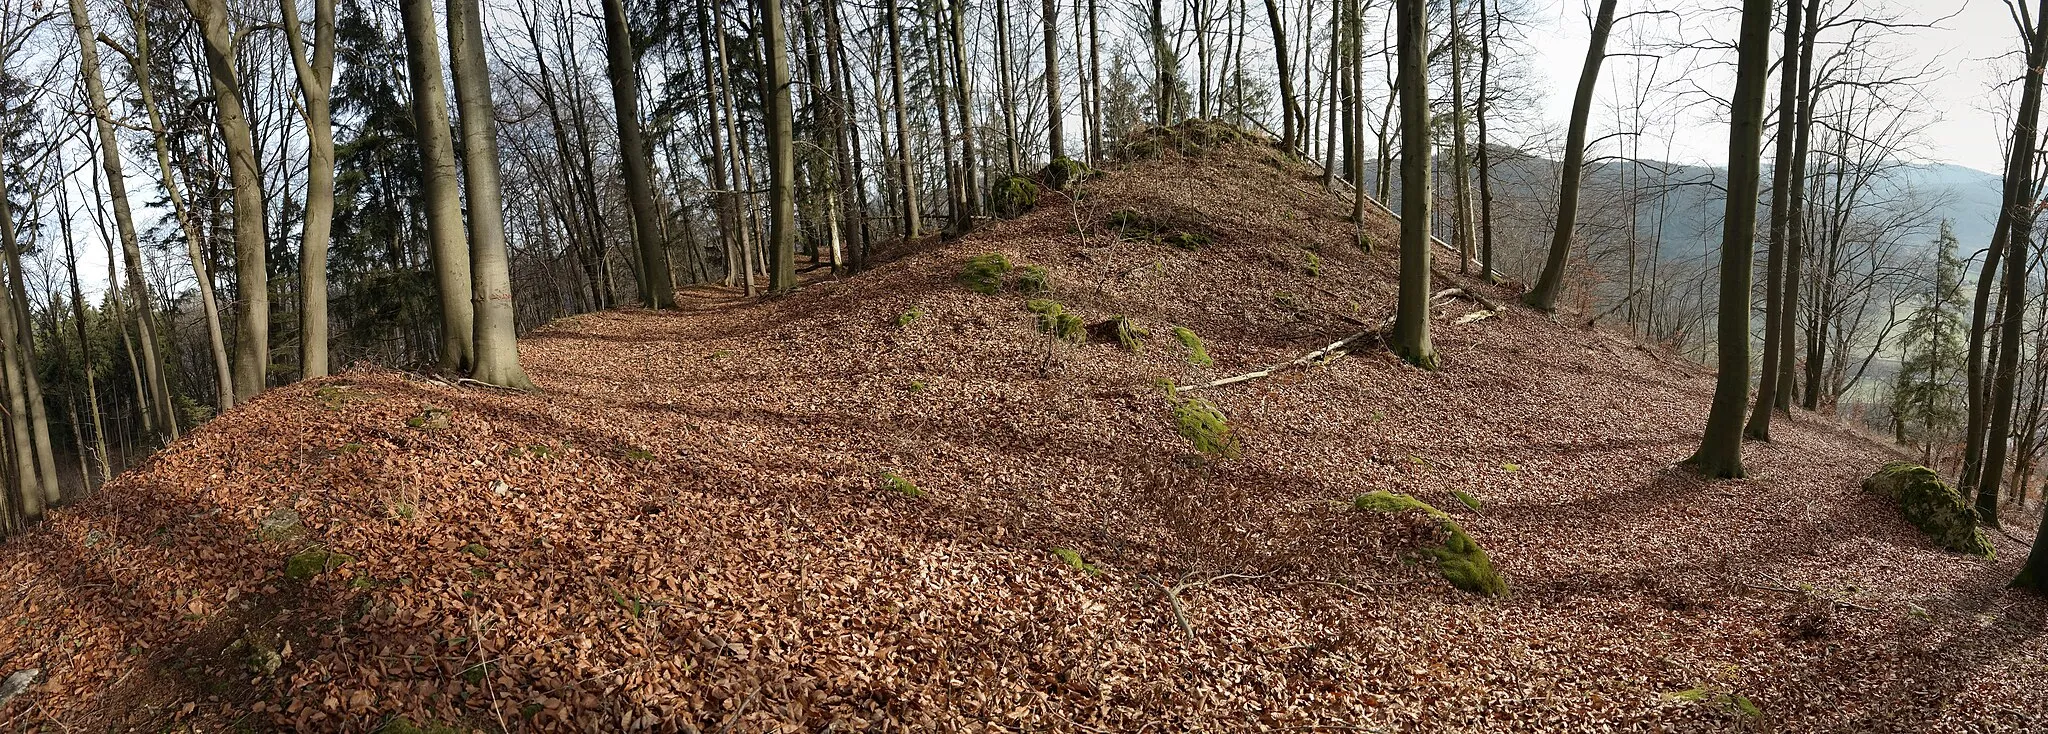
1057, 322
304, 565
1933, 506
1198, 354
1458, 558
1033, 280
984, 273
1204, 426
1015, 195
1063, 172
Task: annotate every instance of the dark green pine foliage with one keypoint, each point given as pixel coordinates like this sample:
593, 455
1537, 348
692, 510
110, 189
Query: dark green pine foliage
1926, 396
385, 306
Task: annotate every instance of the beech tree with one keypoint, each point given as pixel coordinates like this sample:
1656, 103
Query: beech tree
1543, 296
1720, 452
1411, 315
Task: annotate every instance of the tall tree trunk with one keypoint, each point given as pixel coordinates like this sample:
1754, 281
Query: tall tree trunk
440, 187
1544, 296
495, 336
852, 207
1795, 212
963, 89
741, 183
657, 288
1055, 135
1354, 127
252, 273
92, 395
1720, 453
202, 271
781, 156
1290, 110
316, 76
1411, 314
1163, 65
163, 420
32, 384
911, 226
1759, 427
1094, 86
35, 471
2019, 212
1485, 147
1461, 161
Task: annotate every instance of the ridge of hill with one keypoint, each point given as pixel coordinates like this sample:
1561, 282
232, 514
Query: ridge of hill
694, 526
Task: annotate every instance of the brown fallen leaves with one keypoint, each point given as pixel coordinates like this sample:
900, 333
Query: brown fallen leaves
685, 531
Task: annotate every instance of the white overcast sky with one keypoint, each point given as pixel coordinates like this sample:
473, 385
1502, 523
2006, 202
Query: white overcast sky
1974, 52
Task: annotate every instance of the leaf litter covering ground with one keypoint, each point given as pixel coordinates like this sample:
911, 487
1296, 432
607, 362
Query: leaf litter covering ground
690, 530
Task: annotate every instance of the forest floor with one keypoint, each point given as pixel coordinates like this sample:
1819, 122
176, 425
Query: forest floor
692, 528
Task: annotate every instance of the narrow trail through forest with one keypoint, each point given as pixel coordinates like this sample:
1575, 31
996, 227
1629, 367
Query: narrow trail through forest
901, 507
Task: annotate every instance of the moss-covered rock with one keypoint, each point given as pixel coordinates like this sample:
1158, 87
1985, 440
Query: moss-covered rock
1198, 355
1134, 223
1063, 172
984, 273
1056, 321
1458, 558
1015, 195
1933, 506
1033, 280
1186, 240
1203, 425
306, 564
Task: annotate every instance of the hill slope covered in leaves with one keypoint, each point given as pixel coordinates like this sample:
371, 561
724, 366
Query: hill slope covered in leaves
705, 522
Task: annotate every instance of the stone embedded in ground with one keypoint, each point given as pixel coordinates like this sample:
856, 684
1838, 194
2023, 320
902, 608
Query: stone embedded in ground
1933, 506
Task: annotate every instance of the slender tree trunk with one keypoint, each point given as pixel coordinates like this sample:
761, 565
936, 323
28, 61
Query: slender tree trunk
1290, 110
316, 76
743, 201
164, 422
1095, 87
1163, 63
92, 396
657, 288
1759, 427
1411, 314
963, 89
1795, 212
201, 270
35, 472
497, 348
911, 226
1485, 147
781, 157
440, 187
1461, 160
252, 273
1544, 296
1055, 136
38, 408
1720, 453
2020, 212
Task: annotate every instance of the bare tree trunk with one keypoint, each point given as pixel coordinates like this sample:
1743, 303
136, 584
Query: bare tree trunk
440, 187
92, 395
36, 475
1461, 161
781, 157
657, 289
252, 274
963, 89
38, 408
1411, 314
164, 421
2019, 212
1720, 452
911, 226
1759, 427
1544, 296
1485, 148
1290, 109
1795, 212
743, 202
1055, 136
1164, 63
1095, 87
315, 78
496, 339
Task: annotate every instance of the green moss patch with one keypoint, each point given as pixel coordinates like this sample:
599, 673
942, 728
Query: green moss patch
1203, 425
304, 565
1198, 355
1186, 240
1033, 280
1314, 265
893, 482
1458, 558
911, 316
1931, 505
1056, 321
1467, 498
984, 273
1073, 558
430, 418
